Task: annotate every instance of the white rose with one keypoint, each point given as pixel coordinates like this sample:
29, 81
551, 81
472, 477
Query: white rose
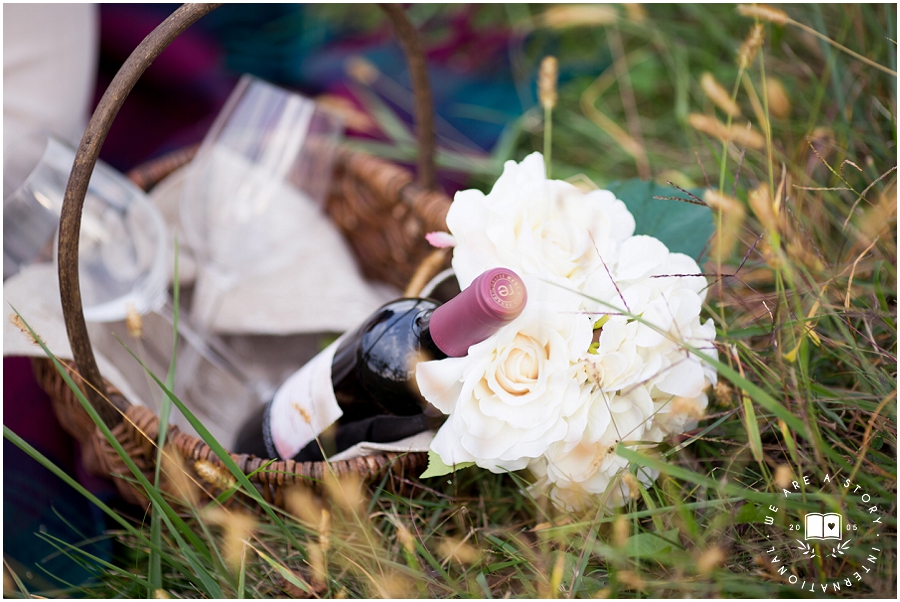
508, 398
666, 292
623, 486
537, 227
585, 466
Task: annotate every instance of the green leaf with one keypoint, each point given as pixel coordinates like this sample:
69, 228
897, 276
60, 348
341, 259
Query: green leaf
682, 227
437, 468
645, 545
285, 572
751, 513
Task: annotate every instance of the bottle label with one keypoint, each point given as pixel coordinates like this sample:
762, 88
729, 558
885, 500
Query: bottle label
304, 406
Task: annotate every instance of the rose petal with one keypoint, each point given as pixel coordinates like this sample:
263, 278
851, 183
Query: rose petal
684, 378
440, 240
440, 381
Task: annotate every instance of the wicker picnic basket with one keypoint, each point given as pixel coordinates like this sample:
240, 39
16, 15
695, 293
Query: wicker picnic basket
385, 208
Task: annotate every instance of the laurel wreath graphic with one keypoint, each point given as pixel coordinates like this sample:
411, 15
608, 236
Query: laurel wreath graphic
839, 551
806, 549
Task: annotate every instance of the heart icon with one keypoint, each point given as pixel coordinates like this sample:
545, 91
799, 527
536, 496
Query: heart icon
831, 525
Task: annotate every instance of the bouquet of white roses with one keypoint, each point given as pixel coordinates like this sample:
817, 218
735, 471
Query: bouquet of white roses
600, 356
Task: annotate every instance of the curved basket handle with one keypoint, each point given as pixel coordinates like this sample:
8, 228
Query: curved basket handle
424, 111
89, 150
76, 189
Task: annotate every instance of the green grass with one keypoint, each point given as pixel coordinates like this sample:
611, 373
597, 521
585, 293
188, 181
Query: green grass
807, 341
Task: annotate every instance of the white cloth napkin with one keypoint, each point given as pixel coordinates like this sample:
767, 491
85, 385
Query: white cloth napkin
319, 290
34, 293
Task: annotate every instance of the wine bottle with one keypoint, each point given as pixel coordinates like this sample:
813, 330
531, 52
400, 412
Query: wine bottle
362, 387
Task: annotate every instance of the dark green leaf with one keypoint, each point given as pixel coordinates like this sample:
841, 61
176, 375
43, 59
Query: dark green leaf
682, 226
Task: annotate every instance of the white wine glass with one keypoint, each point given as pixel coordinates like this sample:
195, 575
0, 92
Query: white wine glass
122, 248
123, 240
268, 151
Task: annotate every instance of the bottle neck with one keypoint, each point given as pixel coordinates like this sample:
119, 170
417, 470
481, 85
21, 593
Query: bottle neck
427, 344
493, 300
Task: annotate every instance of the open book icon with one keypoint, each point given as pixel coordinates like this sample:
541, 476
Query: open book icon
823, 526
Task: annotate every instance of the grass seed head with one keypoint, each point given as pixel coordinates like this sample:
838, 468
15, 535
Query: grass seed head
631, 580
761, 202
724, 393
460, 552
396, 586
214, 474
134, 322
345, 491
636, 12
748, 50
779, 103
362, 70
16, 321
237, 527
180, 482
800, 250
547, 78
783, 476
406, 539
878, 219
741, 135
727, 235
632, 485
764, 12
718, 94
324, 530
711, 559
621, 531
577, 15
304, 504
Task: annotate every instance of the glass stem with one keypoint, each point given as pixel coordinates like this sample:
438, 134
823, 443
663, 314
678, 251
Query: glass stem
211, 348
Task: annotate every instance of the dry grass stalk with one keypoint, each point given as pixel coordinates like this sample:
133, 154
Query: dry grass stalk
718, 95
779, 103
758, 110
750, 47
588, 102
547, 78
728, 233
740, 135
577, 15
764, 12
